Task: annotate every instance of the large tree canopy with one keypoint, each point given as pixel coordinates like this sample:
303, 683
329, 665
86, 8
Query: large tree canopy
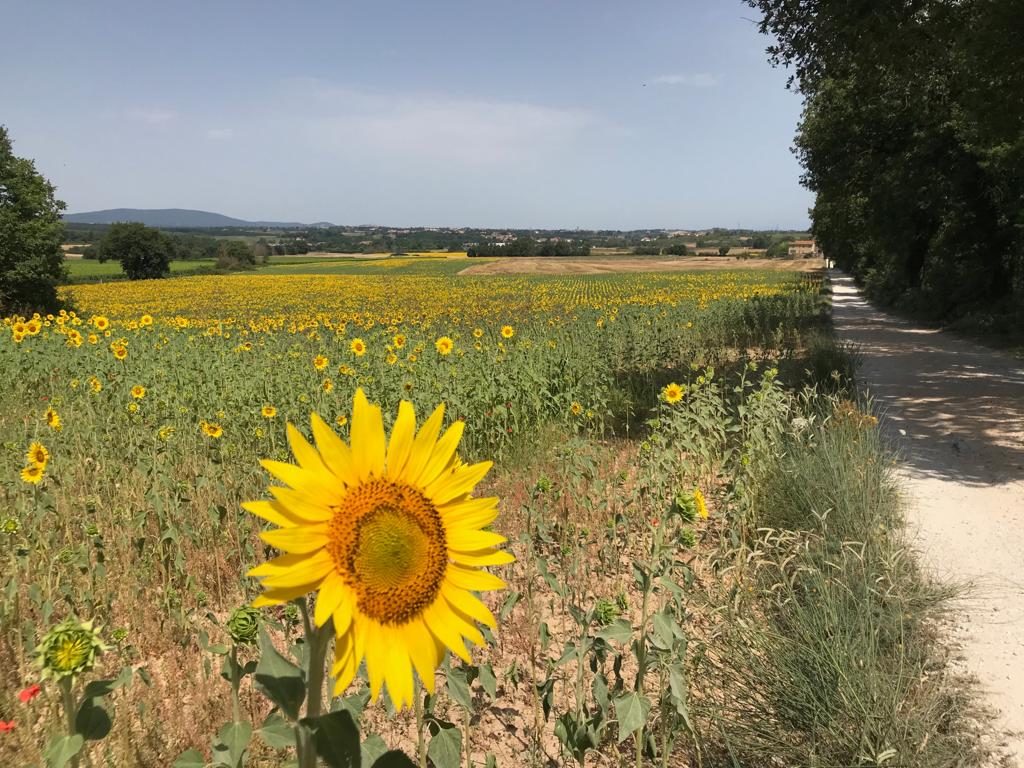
912, 138
144, 252
31, 259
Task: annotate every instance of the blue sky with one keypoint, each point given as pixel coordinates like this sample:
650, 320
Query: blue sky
534, 113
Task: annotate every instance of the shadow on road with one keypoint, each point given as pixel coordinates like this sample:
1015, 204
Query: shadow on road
955, 410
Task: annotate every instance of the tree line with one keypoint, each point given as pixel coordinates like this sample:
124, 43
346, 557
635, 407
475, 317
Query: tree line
528, 246
912, 139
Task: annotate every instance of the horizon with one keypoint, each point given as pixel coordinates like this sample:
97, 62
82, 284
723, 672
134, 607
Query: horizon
456, 115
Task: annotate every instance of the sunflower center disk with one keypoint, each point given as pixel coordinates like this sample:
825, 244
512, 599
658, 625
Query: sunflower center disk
388, 543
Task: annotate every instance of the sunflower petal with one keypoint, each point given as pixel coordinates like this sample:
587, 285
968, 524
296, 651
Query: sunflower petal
469, 604
278, 596
307, 456
473, 579
376, 655
346, 662
398, 669
367, 437
305, 507
469, 540
335, 454
331, 594
299, 540
423, 445
462, 480
303, 480
310, 572
273, 512
343, 618
441, 455
471, 513
438, 617
425, 651
481, 558
402, 435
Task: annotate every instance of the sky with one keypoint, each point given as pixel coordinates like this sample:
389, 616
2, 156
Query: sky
595, 114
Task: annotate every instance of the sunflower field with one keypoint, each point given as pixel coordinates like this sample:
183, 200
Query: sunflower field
495, 500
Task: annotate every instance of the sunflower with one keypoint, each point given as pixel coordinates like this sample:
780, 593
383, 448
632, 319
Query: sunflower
37, 454
268, 412
392, 358
320, 362
576, 408
100, 323
138, 391
33, 474
53, 420
386, 532
358, 347
478, 333
672, 393
327, 385
95, 384
507, 331
700, 503
444, 345
399, 340
342, 420
120, 352
211, 429
145, 321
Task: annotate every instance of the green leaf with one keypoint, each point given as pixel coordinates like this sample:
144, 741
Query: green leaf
488, 681
190, 759
336, 738
92, 720
445, 748
279, 679
372, 749
490, 761
619, 631
231, 742
507, 605
62, 749
680, 693
631, 711
396, 758
277, 732
458, 688
665, 630
98, 688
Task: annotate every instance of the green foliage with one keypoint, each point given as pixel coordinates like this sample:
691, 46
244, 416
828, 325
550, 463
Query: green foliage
144, 252
31, 259
234, 254
912, 140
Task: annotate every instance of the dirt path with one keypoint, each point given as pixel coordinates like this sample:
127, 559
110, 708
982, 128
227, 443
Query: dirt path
956, 411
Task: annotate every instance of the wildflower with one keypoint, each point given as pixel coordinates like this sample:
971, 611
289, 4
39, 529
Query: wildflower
37, 454
672, 393
32, 474
576, 408
138, 392
507, 331
268, 412
320, 362
95, 384
358, 347
27, 694
69, 649
342, 420
53, 420
386, 532
132, 407
6, 726
444, 345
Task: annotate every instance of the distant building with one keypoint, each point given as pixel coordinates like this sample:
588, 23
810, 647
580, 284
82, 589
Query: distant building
803, 249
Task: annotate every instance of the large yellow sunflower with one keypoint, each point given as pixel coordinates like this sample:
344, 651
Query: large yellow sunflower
386, 532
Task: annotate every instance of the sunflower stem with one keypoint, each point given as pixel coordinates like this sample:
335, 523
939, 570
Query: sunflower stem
421, 743
317, 641
69, 711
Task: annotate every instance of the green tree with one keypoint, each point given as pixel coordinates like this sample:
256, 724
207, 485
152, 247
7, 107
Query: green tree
234, 254
143, 251
31, 259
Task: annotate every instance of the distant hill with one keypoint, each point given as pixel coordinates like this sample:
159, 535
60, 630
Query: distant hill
172, 218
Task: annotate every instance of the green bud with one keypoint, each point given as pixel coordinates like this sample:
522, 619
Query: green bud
69, 649
244, 625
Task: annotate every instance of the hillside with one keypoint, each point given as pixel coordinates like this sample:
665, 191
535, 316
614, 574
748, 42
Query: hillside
170, 218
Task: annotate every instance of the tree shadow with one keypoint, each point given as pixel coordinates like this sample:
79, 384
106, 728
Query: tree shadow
955, 410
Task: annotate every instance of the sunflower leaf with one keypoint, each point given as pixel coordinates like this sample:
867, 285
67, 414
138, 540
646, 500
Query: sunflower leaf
445, 748
458, 688
396, 758
62, 749
631, 711
279, 679
336, 738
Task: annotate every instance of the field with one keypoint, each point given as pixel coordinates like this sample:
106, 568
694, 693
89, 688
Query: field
636, 423
89, 269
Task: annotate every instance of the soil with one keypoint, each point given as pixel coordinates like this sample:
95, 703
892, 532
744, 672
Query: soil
555, 266
955, 411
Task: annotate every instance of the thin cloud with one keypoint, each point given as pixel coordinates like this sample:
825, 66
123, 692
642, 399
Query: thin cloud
220, 134
695, 80
151, 116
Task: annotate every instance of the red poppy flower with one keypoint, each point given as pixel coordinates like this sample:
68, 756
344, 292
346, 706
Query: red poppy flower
29, 693
6, 727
